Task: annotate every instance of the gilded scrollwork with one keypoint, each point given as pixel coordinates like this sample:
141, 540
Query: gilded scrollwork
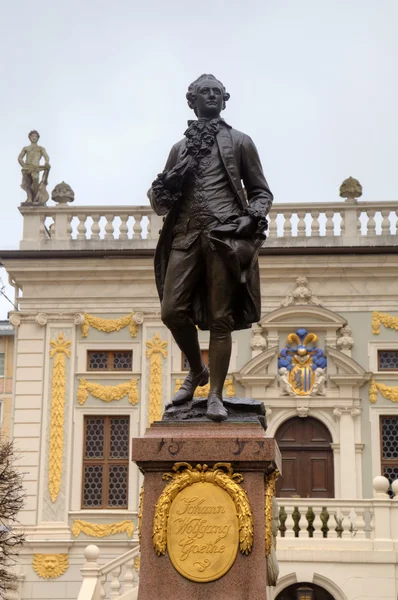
140, 513
384, 319
389, 392
59, 352
108, 393
270, 491
157, 349
102, 530
185, 475
109, 325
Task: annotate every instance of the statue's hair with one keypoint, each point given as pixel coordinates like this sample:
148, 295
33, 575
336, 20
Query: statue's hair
32, 132
193, 89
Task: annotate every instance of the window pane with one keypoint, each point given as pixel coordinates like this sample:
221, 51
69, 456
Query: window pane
92, 493
95, 435
118, 485
97, 361
389, 431
119, 446
123, 360
2, 355
388, 360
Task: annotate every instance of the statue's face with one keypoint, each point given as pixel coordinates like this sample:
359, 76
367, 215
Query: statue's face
33, 138
209, 99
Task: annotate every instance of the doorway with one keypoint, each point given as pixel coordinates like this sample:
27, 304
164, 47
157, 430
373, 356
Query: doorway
290, 593
307, 459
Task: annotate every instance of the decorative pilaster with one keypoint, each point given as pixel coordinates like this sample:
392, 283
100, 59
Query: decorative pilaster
156, 350
348, 487
60, 350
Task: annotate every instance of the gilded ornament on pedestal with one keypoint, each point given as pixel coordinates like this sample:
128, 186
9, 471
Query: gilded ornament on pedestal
59, 352
140, 513
102, 530
203, 391
156, 350
50, 566
108, 393
270, 491
385, 319
388, 391
109, 325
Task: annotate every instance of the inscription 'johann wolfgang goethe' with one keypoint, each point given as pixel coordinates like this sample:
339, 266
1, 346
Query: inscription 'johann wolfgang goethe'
202, 532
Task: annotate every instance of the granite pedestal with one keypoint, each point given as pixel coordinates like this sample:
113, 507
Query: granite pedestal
244, 445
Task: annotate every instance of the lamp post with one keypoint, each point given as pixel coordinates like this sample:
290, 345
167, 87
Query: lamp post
304, 593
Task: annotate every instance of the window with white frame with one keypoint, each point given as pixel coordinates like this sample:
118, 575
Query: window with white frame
387, 360
389, 446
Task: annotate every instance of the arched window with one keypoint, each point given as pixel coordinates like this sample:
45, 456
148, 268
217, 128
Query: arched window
307, 459
304, 590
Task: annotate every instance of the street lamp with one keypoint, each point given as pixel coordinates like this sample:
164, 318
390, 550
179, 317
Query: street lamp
304, 593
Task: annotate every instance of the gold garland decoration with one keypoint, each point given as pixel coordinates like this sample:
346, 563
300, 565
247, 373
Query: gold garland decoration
108, 393
185, 475
50, 566
109, 325
156, 350
140, 514
385, 319
59, 352
388, 391
102, 530
270, 492
202, 391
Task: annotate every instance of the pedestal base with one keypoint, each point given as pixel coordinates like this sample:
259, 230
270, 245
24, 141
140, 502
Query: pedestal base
250, 453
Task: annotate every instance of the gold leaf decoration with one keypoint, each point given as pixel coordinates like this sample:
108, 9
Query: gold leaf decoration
59, 352
109, 325
184, 475
137, 563
270, 490
108, 393
388, 391
156, 350
202, 391
384, 319
50, 566
140, 513
102, 530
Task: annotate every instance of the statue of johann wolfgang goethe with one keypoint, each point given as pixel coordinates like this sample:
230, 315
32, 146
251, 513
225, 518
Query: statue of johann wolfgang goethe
206, 265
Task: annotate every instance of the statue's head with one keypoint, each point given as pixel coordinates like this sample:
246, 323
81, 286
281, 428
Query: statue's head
34, 135
207, 96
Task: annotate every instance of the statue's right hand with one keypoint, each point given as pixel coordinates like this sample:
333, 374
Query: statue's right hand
173, 178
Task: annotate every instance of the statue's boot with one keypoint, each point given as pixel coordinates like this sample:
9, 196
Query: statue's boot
190, 383
219, 356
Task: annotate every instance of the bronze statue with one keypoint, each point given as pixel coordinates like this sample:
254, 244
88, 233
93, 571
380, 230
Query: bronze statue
35, 189
206, 264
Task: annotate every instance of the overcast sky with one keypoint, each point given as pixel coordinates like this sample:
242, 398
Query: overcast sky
313, 82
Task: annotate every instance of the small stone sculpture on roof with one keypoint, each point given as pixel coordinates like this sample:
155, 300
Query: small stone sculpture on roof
351, 189
36, 189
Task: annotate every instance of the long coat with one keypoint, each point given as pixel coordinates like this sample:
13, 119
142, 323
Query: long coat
242, 163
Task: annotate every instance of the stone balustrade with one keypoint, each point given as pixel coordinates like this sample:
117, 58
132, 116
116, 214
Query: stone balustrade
349, 223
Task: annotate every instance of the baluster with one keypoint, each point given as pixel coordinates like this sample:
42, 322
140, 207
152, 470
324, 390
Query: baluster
371, 523
310, 516
301, 224
95, 228
69, 229
342, 223
115, 583
324, 516
289, 533
123, 229
137, 227
42, 229
81, 228
385, 221
360, 524
359, 224
109, 227
329, 226
149, 228
371, 222
282, 521
317, 522
129, 576
288, 226
315, 223
343, 524
102, 593
272, 225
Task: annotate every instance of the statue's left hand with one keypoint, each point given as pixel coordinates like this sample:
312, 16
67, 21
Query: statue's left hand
247, 226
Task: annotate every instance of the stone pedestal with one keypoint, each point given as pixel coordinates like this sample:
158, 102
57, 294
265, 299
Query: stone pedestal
250, 453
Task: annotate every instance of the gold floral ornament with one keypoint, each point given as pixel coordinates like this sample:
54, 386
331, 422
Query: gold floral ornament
140, 514
385, 319
59, 352
202, 391
156, 350
109, 325
108, 393
50, 566
185, 475
388, 391
270, 490
102, 530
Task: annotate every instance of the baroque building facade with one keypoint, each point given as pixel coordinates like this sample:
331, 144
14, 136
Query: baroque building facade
95, 366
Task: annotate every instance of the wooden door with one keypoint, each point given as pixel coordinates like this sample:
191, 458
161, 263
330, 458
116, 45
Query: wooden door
307, 459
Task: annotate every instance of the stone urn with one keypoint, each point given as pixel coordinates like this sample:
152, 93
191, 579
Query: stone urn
63, 193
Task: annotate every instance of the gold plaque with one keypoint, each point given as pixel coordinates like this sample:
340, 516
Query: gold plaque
202, 532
